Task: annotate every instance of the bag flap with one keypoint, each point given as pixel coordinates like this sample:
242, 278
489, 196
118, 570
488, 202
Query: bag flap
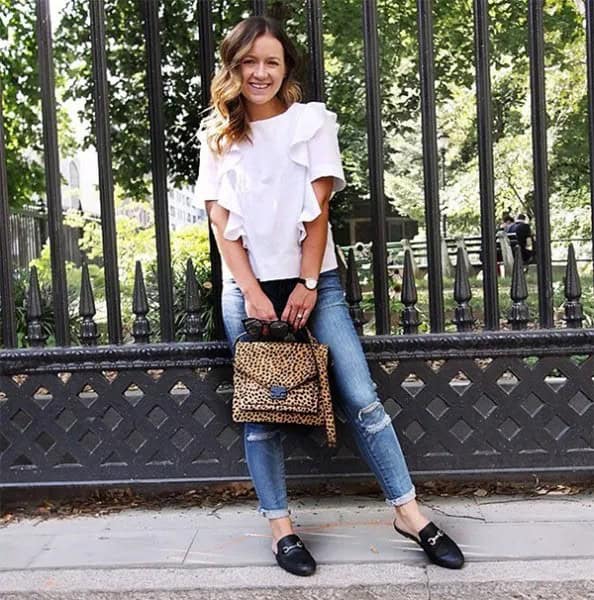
249, 395
271, 363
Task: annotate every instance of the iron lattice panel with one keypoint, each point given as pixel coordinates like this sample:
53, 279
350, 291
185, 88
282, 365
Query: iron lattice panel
457, 415
119, 425
505, 413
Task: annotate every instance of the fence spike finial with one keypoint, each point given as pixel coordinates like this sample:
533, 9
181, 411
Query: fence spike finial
193, 322
141, 328
86, 309
573, 291
462, 293
519, 314
353, 293
410, 314
35, 334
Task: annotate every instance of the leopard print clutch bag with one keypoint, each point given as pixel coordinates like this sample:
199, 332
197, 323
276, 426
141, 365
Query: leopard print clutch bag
283, 382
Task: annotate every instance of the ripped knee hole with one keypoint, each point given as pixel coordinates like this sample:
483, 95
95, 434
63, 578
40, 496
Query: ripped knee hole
373, 417
259, 436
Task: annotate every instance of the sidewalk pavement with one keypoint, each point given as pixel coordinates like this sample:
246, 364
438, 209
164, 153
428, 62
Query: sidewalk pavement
516, 547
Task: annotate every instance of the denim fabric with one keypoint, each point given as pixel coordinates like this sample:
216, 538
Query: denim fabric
353, 392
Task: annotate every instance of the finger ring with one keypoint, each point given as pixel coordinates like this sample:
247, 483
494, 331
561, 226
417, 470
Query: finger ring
299, 316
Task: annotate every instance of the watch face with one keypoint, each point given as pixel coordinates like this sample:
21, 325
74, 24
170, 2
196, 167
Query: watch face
311, 284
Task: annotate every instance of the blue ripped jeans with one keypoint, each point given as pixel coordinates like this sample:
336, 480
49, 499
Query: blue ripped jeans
353, 391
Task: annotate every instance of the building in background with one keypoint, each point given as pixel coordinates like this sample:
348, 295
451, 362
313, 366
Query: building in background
80, 191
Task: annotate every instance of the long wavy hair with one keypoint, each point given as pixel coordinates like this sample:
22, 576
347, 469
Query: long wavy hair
227, 122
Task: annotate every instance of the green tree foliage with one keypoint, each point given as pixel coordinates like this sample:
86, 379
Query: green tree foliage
456, 117
20, 99
345, 91
127, 80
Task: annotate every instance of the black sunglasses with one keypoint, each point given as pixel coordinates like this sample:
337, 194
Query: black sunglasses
257, 328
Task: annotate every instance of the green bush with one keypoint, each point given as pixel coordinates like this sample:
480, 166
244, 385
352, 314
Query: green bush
134, 244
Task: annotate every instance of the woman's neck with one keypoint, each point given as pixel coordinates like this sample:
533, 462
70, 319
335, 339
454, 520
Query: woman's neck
258, 112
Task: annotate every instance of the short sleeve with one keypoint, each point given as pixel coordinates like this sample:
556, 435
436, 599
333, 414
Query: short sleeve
324, 153
207, 184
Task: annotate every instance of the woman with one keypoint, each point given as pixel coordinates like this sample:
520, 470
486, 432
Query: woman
268, 168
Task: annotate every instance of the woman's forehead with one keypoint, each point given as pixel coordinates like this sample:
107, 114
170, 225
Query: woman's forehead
267, 45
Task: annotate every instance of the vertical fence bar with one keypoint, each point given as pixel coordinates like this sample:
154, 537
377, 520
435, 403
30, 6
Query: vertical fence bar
353, 294
159, 167
51, 157
102, 128
539, 150
376, 167
430, 162
9, 335
590, 71
259, 7
207, 65
485, 150
316, 50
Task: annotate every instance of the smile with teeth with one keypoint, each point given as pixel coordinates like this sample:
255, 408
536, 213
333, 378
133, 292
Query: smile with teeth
260, 86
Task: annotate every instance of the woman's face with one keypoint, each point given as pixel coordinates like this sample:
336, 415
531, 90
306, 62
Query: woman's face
263, 70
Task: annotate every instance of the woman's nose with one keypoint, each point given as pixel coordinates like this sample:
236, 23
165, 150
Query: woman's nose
260, 70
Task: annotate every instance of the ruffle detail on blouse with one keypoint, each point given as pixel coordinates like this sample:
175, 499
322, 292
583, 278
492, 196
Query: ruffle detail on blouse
310, 121
312, 118
311, 210
228, 194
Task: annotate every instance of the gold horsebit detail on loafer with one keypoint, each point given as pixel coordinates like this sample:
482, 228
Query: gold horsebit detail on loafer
288, 549
433, 540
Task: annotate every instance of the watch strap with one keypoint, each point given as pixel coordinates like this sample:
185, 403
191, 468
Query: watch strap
303, 281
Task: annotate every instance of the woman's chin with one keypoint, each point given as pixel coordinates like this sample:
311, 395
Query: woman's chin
258, 99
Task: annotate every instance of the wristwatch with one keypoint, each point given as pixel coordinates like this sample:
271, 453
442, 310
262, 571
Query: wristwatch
309, 282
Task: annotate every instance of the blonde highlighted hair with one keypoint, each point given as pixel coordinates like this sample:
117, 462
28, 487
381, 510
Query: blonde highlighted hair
228, 122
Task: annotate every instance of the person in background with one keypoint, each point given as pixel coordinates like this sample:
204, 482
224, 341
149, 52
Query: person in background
506, 221
523, 233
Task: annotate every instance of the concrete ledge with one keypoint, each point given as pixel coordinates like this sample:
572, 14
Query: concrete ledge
406, 580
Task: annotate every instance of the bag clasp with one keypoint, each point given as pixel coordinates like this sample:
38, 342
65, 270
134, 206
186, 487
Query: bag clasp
278, 392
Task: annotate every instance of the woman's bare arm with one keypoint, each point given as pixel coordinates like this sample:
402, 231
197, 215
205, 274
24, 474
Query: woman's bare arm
257, 304
314, 244
302, 301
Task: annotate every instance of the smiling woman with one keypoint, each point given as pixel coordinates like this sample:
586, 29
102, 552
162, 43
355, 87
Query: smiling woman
269, 166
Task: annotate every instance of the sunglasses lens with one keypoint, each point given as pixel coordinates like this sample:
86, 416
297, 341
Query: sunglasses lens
279, 330
253, 327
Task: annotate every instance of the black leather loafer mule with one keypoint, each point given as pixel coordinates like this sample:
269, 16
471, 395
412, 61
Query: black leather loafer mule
293, 556
438, 546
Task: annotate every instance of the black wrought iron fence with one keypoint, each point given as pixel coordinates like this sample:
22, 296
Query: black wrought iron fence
478, 400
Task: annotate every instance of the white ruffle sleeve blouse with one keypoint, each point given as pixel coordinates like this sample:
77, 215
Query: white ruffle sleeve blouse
266, 186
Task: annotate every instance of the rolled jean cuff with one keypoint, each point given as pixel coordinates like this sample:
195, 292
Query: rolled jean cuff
411, 495
275, 513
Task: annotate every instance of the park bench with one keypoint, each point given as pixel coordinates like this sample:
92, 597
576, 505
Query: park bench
471, 250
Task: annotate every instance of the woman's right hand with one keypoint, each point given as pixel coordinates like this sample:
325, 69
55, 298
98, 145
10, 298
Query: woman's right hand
259, 306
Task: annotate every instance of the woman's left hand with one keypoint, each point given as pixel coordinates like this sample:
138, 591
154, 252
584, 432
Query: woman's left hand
299, 306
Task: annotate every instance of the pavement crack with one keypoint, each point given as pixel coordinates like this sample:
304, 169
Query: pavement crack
427, 582
189, 547
447, 514
530, 499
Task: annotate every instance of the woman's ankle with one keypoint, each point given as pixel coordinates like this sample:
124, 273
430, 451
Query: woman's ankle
410, 518
280, 528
